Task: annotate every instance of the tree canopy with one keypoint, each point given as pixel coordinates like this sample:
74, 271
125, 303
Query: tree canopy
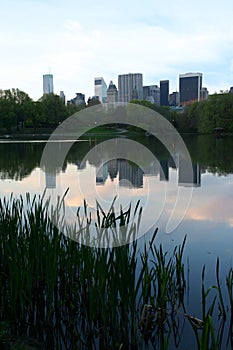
216, 112
18, 111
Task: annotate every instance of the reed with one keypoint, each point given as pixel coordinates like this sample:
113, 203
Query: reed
69, 295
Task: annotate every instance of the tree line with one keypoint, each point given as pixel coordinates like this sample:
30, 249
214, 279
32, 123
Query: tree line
212, 114
18, 111
204, 117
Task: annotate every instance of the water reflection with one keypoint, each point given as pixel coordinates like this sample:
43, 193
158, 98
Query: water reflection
19, 159
208, 222
131, 175
20, 173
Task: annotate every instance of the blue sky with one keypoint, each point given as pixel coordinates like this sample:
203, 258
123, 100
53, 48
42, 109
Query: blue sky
81, 40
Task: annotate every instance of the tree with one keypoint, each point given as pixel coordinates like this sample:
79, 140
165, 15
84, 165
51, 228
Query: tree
22, 103
7, 114
72, 108
14, 108
216, 112
53, 109
34, 115
92, 101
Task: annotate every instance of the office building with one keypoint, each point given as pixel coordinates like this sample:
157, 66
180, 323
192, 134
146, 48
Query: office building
78, 100
174, 99
204, 94
47, 84
101, 89
164, 92
130, 87
62, 96
151, 93
190, 85
112, 93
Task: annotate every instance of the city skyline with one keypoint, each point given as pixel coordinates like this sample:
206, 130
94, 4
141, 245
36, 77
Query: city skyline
77, 42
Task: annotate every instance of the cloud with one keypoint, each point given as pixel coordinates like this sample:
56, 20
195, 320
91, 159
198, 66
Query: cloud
152, 50
159, 39
215, 209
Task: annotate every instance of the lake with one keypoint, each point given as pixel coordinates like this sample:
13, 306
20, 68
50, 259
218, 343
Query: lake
89, 172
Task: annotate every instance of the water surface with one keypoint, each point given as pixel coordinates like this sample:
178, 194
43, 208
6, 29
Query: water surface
208, 221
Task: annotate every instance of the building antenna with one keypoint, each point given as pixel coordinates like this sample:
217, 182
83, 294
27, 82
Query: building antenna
49, 70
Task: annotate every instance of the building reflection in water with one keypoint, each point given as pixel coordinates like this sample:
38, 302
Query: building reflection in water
131, 175
185, 179
50, 180
164, 170
101, 174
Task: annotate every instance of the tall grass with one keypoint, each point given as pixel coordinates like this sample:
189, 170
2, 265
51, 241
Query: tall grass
73, 296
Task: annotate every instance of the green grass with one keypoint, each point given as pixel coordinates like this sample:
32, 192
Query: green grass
73, 296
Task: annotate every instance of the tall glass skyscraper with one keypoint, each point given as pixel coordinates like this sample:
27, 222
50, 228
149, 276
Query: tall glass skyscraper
164, 92
47, 84
190, 85
130, 87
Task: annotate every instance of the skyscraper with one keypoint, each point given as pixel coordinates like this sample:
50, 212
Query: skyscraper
190, 85
47, 84
130, 87
112, 93
101, 89
204, 94
164, 92
151, 93
174, 99
62, 96
78, 100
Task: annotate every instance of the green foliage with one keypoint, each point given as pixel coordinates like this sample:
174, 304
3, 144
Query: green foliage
13, 108
50, 284
72, 295
216, 112
163, 110
202, 117
7, 114
18, 111
53, 109
92, 101
71, 108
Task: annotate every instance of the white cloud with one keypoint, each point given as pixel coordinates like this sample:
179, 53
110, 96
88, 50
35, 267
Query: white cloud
158, 39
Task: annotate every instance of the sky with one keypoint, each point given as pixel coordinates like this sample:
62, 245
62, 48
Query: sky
77, 41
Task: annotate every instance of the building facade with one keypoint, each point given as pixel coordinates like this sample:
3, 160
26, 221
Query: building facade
164, 92
62, 96
151, 93
130, 87
174, 99
204, 94
101, 89
190, 86
47, 84
78, 100
112, 93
